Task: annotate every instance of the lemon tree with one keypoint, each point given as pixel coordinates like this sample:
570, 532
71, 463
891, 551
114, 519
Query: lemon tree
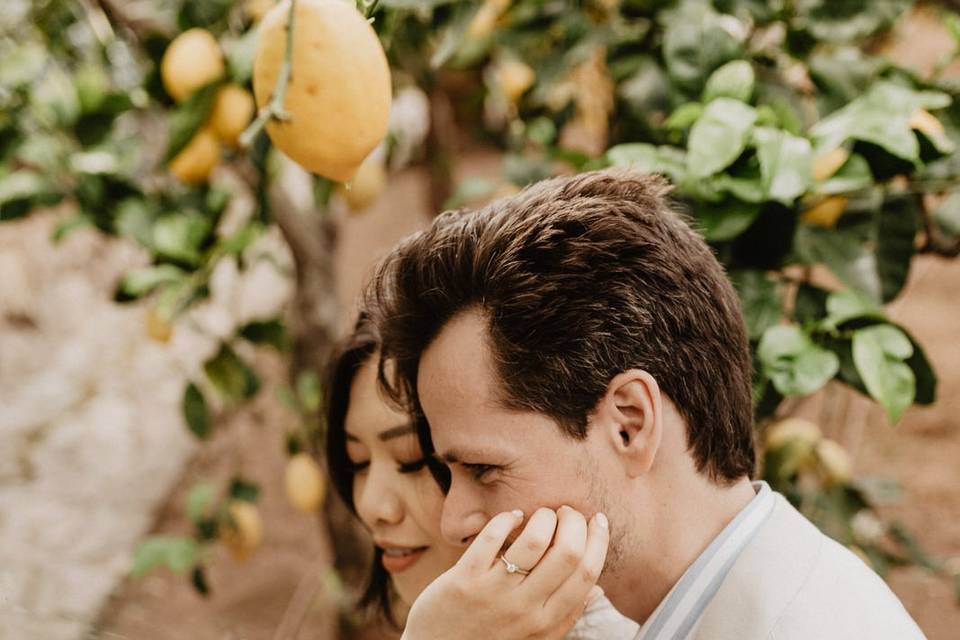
795, 148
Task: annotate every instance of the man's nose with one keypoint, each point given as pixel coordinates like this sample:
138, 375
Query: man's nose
462, 517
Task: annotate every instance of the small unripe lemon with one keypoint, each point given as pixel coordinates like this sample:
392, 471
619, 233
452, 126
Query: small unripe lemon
192, 60
827, 164
158, 328
826, 212
243, 530
232, 111
366, 186
835, 461
304, 483
196, 160
792, 429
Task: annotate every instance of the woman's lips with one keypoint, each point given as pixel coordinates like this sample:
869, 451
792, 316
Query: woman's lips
400, 559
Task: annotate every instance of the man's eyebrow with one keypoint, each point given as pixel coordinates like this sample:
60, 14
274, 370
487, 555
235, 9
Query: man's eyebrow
457, 455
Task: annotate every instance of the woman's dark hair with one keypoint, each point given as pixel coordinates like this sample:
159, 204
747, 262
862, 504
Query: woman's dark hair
347, 358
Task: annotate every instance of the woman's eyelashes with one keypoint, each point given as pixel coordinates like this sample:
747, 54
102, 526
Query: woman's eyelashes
412, 467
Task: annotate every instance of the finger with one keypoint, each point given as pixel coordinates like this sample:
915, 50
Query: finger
562, 558
529, 547
485, 548
579, 585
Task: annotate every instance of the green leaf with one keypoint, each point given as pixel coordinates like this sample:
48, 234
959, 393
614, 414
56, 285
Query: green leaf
786, 162
240, 489
188, 117
179, 236
177, 553
470, 189
843, 251
647, 157
793, 362
854, 175
897, 223
142, 280
759, 299
846, 305
848, 21
695, 42
719, 136
23, 185
947, 215
522, 171
727, 220
308, 391
684, 116
68, 225
271, 332
879, 353
925, 376
195, 411
240, 52
881, 117
746, 188
199, 500
733, 80
231, 375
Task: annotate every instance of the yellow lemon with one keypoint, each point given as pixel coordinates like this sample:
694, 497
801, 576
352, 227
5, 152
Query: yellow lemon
304, 483
513, 78
835, 461
243, 529
792, 429
485, 19
196, 160
192, 60
826, 212
338, 97
827, 164
232, 111
158, 328
926, 123
366, 186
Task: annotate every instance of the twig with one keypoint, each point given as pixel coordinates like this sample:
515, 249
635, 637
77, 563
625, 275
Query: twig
274, 108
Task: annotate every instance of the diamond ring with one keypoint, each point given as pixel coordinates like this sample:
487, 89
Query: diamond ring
512, 568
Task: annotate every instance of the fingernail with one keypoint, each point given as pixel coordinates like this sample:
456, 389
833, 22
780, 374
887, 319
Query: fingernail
517, 513
602, 520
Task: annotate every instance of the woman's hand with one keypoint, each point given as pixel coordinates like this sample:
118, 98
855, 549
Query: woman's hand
478, 598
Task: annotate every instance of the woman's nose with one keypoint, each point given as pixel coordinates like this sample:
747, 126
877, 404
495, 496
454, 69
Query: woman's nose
378, 502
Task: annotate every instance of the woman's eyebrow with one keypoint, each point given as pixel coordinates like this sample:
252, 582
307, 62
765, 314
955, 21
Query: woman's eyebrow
396, 432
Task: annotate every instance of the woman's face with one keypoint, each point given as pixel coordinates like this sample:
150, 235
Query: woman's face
393, 491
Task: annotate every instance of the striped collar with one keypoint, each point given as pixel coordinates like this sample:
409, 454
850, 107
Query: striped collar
677, 615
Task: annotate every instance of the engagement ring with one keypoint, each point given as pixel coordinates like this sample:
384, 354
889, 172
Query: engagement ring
512, 568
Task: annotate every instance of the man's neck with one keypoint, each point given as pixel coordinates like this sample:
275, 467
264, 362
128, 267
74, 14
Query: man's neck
685, 524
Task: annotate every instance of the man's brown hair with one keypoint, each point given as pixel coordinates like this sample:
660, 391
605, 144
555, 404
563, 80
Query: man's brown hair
579, 279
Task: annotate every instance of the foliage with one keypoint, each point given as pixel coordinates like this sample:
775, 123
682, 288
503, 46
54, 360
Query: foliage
797, 150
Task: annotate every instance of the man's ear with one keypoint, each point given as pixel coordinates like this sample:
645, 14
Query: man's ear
630, 415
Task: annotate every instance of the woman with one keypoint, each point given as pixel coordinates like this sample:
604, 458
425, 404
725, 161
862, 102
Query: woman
378, 468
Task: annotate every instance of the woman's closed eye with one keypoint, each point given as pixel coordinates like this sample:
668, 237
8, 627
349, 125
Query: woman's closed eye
412, 467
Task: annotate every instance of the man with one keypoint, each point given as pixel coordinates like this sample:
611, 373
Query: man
578, 344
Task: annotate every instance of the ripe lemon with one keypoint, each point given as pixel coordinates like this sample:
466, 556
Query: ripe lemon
826, 165
196, 160
826, 212
232, 111
192, 60
792, 429
338, 97
513, 78
835, 461
158, 328
303, 481
367, 184
243, 529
